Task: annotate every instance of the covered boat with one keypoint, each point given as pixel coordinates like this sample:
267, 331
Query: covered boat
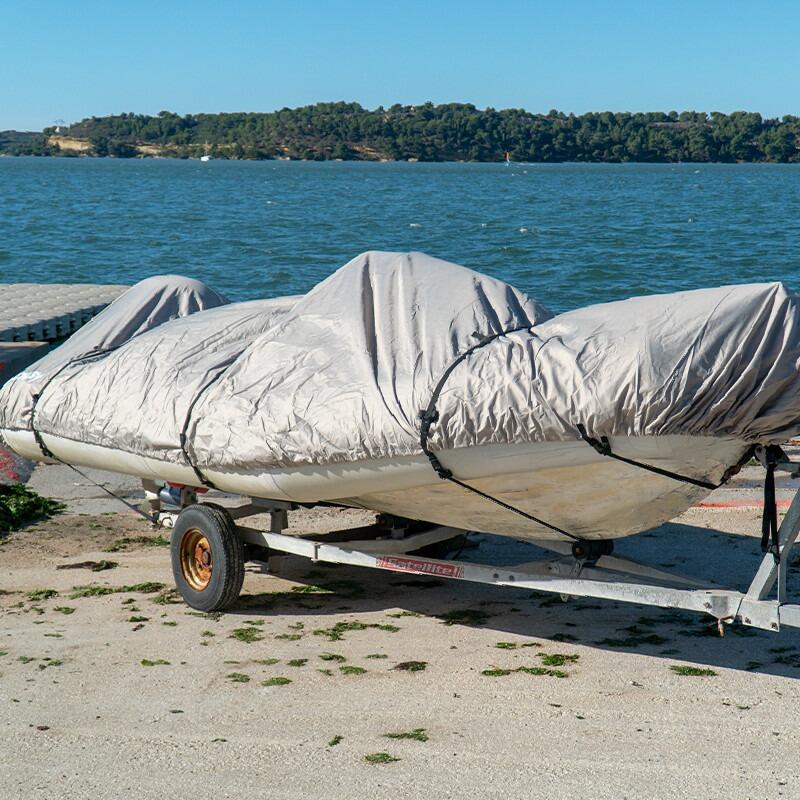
418, 388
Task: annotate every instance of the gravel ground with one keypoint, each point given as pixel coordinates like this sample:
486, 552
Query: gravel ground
512, 695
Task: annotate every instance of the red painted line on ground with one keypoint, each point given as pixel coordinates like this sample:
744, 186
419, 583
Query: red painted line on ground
739, 504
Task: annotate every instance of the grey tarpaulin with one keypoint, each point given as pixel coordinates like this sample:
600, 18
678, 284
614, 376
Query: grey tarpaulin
340, 374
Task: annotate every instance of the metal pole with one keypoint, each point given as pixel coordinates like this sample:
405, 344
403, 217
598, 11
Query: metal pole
769, 570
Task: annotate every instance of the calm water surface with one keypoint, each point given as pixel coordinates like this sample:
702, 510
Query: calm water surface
568, 234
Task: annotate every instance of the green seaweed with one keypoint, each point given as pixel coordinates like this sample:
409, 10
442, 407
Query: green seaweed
553, 673
411, 666
248, 635
20, 506
464, 616
143, 541
499, 672
557, 659
169, 597
94, 566
336, 632
680, 669
42, 594
332, 657
278, 680
148, 587
380, 758
90, 591
350, 669
418, 735
634, 640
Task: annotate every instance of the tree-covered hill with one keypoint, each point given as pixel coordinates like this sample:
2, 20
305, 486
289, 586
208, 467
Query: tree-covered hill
430, 132
27, 141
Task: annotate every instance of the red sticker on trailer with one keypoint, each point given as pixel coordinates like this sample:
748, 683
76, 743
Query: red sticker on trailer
420, 566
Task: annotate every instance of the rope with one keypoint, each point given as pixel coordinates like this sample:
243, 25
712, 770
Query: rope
603, 446
429, 415
105, 489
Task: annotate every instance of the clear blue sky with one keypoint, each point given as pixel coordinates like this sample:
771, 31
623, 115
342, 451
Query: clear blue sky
62, 60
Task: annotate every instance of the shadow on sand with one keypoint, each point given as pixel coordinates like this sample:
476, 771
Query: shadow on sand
727, 559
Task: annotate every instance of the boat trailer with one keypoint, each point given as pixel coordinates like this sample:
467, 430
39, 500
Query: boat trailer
209, 548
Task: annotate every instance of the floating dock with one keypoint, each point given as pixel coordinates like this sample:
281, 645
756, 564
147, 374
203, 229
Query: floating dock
34, 315
47, 312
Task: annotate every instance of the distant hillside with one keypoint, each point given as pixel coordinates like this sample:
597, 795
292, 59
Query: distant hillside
22, 142
452, 132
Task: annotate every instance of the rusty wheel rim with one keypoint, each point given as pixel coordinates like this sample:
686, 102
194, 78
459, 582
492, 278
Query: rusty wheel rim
196, 561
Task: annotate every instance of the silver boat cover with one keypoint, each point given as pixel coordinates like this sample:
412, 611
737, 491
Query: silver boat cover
173, 372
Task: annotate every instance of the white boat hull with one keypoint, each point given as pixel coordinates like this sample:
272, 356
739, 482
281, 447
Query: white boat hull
566, 484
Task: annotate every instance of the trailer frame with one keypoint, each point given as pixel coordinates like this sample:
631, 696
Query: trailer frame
569, 572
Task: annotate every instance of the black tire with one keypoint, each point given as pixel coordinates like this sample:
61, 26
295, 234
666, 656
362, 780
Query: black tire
213, 528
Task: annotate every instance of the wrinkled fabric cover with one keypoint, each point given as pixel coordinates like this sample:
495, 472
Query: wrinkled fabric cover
147, 305
710, 362
344, 375
340, 374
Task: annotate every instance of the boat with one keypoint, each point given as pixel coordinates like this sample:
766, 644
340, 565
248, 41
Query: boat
207, 155
447, 402
421, 389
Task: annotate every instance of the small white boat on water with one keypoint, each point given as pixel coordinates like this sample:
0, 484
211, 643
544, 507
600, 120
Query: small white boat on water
207, 155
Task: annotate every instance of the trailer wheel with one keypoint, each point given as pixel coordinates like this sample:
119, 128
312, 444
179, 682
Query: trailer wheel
207, 557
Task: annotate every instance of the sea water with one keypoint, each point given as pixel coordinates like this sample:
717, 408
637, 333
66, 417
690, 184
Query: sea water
567, 234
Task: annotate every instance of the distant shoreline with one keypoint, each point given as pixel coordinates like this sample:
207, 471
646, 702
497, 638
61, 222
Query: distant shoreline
426, 133
196, 159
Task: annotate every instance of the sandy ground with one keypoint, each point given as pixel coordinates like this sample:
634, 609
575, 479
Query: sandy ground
83, 715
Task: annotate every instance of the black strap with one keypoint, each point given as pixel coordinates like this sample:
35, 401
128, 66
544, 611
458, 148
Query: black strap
184, 442
37, 437
36, 434
603, 446
47, 453
770, 543
429, 415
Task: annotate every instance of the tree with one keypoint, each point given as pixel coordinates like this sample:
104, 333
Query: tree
448, 132
99, 145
